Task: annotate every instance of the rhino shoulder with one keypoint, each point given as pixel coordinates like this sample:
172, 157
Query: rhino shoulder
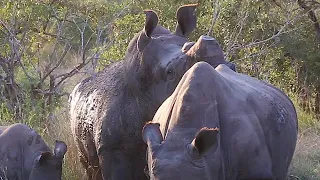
21, 134
14, 128
96, 90
110, 78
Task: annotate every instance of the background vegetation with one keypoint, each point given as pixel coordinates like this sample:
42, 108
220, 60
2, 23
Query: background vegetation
47, 46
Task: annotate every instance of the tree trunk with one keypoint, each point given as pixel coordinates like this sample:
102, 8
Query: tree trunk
312, 16
317, 100
11, 91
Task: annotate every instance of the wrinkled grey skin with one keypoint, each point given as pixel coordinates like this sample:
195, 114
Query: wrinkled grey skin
25, 156
109, 110
255, 137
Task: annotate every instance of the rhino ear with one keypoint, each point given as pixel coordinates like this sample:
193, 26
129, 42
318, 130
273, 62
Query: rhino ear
187, 20
232, 66
151, 134
43, 157
60, 149
205, 139
150, 24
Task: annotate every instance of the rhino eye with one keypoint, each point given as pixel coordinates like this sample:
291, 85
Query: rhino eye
170, 74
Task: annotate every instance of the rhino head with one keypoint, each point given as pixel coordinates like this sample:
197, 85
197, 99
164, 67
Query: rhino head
48, 166
156, 58
170, 160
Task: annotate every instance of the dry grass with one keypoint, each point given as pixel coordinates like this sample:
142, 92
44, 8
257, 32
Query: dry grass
306, 161
60, 130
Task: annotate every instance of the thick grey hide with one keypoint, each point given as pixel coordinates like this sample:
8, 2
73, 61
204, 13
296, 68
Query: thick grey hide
25, 156
221, 125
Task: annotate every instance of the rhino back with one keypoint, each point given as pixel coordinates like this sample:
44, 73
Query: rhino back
259, 120
235, 94
267, 115
269, 103
19, 146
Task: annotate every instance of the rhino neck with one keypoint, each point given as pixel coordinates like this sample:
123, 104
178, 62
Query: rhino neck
145, 103
137, 82
137, 106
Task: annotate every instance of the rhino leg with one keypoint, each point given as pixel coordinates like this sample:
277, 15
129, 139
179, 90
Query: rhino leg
139, 162
93, 172
85, 165
115, 165
88, 156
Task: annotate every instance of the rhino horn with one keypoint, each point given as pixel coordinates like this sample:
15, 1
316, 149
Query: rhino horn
150, 24
187, 20
205, 46
207, 49
60, 149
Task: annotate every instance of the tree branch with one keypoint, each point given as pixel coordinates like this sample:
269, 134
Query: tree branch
280, 32
216, 11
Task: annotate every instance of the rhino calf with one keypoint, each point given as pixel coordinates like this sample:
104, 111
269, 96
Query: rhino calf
25, 156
